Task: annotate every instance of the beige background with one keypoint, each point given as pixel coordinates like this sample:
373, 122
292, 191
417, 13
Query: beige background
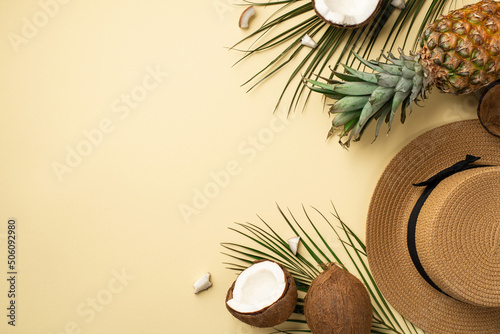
109, 226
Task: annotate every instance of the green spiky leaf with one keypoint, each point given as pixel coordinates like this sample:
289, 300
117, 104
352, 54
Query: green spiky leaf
292, 19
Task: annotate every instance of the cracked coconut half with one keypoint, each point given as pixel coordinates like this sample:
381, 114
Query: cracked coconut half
347, 13
263, 295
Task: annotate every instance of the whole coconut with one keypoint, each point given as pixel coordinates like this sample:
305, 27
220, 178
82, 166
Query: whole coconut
488, 110
337, 302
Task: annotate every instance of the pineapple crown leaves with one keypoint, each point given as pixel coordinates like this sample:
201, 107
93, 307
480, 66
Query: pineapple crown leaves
362, 97
292, 19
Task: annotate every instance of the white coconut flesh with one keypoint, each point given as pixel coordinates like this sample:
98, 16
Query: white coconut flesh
293, 243
246, 16
258, 287
400, 4
308, 41
345, 12
202, 284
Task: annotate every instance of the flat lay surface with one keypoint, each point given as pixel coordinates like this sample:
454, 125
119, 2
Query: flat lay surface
128, 147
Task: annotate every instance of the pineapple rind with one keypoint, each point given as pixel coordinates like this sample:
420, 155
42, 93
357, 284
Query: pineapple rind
465, 48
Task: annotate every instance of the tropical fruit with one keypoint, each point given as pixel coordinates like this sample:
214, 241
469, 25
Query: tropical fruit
338, 303
346, 14
488, 110
263, 295
459, 53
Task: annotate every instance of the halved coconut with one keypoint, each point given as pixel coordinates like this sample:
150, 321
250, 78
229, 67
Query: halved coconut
347, 13
263, 295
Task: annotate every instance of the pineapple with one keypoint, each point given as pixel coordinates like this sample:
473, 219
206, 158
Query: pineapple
459, 53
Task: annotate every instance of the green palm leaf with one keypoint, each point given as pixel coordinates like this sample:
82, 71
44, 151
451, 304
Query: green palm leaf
293, 19
305, 267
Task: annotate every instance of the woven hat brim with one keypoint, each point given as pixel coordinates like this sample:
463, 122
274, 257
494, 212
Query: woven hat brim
386, 230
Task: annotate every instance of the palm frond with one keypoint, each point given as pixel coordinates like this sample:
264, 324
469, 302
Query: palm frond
292, 19
319, 250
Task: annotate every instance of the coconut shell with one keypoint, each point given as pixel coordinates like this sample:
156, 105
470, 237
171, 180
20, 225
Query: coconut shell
365, 22
338, 303
488, 111
274, 314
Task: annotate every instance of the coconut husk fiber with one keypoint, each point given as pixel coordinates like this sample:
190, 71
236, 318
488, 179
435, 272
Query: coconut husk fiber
338, 303
488, 110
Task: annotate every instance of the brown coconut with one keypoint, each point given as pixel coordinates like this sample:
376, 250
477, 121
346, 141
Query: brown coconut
274, 314
337, 302
488, 111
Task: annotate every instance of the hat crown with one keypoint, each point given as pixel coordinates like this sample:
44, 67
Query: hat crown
388, 229
457, 236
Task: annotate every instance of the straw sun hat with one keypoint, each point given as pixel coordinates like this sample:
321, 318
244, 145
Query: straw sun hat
433, 230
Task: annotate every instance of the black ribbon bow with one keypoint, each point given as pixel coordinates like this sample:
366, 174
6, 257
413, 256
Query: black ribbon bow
430, 184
